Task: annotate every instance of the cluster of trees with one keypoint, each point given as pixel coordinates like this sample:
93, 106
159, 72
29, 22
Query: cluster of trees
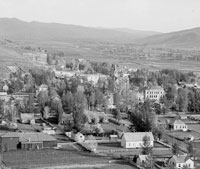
165, 77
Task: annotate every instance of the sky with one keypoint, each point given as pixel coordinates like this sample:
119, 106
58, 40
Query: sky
151, 15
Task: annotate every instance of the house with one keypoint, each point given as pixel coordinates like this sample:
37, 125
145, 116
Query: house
182, 115
48, 130
135, 140
43, 87
141, 159
78, 137
3, 95
178, 124
154, 93
67, 119
140, 96
36, 140
9, 141
179, 161
64, 74
26, 117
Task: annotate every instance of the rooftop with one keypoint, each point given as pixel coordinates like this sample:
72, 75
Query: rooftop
155, 88
35, 137
137, 136
180, 158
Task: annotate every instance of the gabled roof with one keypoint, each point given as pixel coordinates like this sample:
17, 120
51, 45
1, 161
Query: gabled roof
9, 134
35, 137
180, 158
137, 136
155, 88
178, 121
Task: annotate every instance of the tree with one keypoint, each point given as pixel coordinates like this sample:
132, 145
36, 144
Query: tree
68, 102
142, 117
146, 147
43, 98
182, 99
80, 99
191, 149
117, 114
175, 149
92, 101
149, 162
79, 117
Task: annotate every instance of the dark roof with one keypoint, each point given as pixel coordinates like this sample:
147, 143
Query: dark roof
35, 137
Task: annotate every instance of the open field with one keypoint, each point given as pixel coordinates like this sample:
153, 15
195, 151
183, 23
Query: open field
51, 157
181, 134
93, 51
195, 127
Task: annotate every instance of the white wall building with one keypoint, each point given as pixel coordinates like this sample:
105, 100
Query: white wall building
135, 140
179, 161
154, 93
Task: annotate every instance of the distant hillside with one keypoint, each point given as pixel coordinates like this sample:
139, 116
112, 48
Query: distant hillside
185, 38
15, 29
137, 33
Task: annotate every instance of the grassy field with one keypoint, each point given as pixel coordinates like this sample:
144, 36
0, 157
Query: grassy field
51, 157
181, 134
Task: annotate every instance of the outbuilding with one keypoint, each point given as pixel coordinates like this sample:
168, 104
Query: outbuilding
9, 141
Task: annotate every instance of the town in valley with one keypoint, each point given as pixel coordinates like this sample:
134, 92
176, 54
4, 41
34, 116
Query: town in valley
75, 97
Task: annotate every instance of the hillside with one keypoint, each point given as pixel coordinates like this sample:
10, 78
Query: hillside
186, 38
138, 33
15, 29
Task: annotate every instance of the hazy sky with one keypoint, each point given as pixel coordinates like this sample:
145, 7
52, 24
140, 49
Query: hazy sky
155, 15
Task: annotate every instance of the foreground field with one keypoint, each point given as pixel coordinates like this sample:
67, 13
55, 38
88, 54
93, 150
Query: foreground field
51, 157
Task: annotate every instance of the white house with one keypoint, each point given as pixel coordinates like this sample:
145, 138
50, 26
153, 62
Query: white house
78, 137
179, 161
135, 140
179, 125
141, 159
154, 93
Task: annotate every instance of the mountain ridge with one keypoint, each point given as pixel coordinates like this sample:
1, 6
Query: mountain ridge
20, 30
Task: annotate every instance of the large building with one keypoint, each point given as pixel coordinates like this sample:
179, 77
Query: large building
36, 140
135, 140
154, 93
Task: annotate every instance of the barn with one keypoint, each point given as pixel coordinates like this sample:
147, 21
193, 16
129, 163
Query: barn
9, 141
36, 140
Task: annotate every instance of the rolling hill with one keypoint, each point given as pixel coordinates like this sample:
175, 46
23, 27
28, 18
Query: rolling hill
185, 38
15, 29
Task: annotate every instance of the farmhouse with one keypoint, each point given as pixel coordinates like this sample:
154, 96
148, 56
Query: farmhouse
3, 95
179, 161
178, 125
9, 141
141, 159
154, 93
26, 117
135, 140
34, 140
